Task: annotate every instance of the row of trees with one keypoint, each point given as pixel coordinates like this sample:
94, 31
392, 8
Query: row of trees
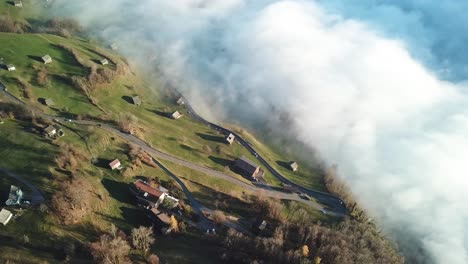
115, 246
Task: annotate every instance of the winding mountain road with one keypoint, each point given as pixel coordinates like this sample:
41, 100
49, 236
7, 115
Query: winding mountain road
334, 203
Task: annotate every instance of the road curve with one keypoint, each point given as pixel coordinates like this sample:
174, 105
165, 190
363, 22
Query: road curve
36, 195
332, 201
265, 190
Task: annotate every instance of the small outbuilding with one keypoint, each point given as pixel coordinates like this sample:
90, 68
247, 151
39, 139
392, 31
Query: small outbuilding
161, 221
246, 167
230, 138
47, 59
5, 216
180, 101
293, 166
11, 67
136, 100
115, 165
114, 46
18, 3
104, 61
50, 131
15, 196
176, 115
49, 102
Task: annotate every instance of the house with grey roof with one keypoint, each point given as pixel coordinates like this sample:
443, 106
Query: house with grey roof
50, 131
180, 101
47, 59
293, 165
11, 67
230, 138
176, 115
49, 102
246, 167
104, 61
136, 100
5, 216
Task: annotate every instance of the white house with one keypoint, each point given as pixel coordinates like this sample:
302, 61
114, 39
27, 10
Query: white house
230, 138
18, 3
115, 164
104, 62
47, 59
11, 67
5, 216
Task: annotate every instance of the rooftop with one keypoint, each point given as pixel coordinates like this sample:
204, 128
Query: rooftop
144, 187
5, 216
162, 216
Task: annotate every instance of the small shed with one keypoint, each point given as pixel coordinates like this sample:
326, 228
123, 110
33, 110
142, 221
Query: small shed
11, 67
114, 46
180, 101
18, 3
230, 138
104, 61
262, 225
5, 216
293, 165
176, 115
136, 100
115, 165
50, 131
47, 59
49, 102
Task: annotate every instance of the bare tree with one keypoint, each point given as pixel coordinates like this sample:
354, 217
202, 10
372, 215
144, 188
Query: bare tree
110, 250
218, 217
153, 259
142, 238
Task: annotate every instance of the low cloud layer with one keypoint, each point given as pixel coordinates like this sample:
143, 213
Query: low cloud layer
377, 98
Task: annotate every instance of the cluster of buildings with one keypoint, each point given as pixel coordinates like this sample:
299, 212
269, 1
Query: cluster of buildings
157, 201
15, 198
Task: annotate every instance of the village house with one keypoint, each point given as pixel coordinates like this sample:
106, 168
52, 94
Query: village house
47, 59
11, 67
246, 167
50, 131
293, 166
161, 221
104, 62
136, 100
230, 138
5, 216
152, 196
176, 115
180, 101
49, 102
114, 46
15, 196
18, 3
115, 165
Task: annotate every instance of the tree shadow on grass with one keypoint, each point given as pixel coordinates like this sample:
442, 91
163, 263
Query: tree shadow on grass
211, 137
212, 198
283, 164
221, 161
36, 58
127, 99
186, 147
132, 217
102, 163
118, 190
160, 113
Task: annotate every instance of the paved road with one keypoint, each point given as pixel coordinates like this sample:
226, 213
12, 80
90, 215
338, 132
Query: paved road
265, 190
335, 205
36, 195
